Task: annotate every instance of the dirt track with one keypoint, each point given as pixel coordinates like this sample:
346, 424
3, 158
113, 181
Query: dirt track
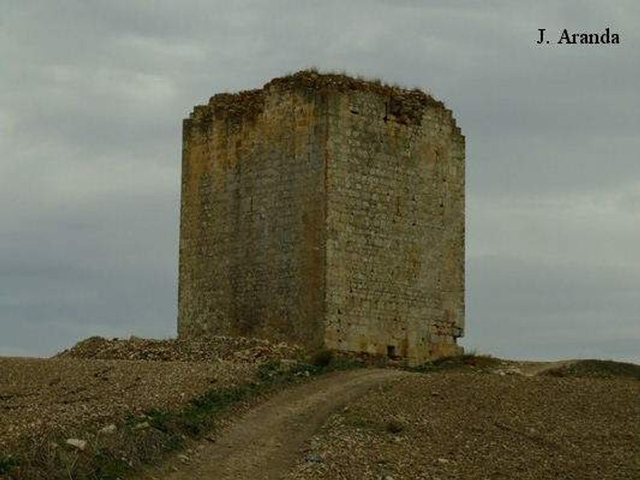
265, 443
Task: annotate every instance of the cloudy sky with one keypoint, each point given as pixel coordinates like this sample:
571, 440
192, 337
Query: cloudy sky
92, 95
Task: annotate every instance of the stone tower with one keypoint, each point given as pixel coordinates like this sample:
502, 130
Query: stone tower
327, 211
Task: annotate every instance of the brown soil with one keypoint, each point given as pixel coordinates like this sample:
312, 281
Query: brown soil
103, 381
483, 426
490, 419
42, 398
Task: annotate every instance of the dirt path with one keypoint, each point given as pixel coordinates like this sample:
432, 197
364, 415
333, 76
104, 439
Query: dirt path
265, 442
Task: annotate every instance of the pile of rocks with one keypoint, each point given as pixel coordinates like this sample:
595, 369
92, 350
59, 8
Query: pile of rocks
238, 349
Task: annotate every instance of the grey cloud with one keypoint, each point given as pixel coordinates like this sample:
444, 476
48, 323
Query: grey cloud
522, 309
629, 200
92, 272
91, 104
526, 164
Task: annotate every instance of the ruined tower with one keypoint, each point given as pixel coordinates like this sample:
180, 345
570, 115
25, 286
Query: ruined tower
327, 211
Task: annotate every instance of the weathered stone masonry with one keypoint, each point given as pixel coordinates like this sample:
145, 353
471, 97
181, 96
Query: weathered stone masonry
327, 211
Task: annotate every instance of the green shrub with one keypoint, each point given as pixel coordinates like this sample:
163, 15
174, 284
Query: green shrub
467, 361
394, 426
7, 464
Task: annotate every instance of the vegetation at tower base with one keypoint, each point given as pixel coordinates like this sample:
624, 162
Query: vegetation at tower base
326, 211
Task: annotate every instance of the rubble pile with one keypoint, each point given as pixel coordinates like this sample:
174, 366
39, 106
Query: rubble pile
238, 349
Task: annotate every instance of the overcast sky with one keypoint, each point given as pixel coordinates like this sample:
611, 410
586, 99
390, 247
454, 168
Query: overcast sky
92, 97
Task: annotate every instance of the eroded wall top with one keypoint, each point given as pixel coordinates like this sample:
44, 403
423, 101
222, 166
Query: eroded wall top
404, 105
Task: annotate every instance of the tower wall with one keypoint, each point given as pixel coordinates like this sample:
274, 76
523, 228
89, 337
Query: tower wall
395, 228
252, 217
324, 210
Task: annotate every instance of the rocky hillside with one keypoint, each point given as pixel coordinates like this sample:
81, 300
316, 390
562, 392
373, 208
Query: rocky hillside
105, 392
234, 349
464, 425
105, 407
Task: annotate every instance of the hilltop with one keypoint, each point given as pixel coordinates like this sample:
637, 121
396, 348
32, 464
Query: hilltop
104, 408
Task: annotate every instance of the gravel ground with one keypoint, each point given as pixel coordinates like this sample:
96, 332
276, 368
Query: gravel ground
77, 397
482, 426
100, 382
513, 423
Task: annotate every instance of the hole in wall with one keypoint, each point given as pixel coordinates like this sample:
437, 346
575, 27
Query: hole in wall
391, 351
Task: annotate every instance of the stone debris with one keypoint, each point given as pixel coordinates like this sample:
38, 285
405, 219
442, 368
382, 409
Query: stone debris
236, 349
509, 371
77, 443
108, 430
314, 458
